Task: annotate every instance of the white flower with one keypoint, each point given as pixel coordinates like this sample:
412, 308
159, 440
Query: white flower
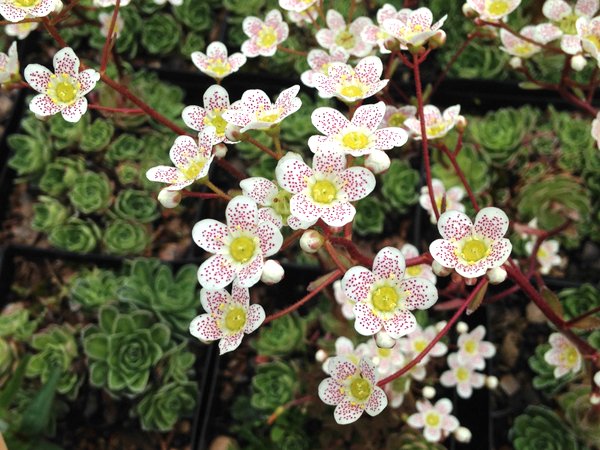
319, 62
418, 340
376, 34
172, 2
514, 45
436, 421
227, 318
396, 116
17, 10
493, 10
348, 37
453, 197
296, 5
256, 112
472, 349
191, 159
351, 84
343, 348
472, 249
384, 297
414, 28
345, 302
547, 255
216, 63
589, 33
325, 191
353, 389
563, 355
239, 247
65, 90
437, 124
358, 136
421, 270
105, 19
302, 18
463, 376
386, 360
216, 102
264, 36
563, 22
9, 65
20, 30
275, 202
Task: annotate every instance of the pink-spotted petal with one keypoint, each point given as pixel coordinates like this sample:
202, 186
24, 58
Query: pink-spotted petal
444, 253
288, 101
367, 369
443, 406
389, 263
255, 99
208, 234
491, 223
403, 322
421, 18
236, 61
10, 13
388, 138
193, 116
556, 9
216, 49
38, 77
317, 142
216, 97
205, 327
338, 215
212, 299
270, 215
240, 295
357, 283
329, 160
416, 421
570, 44
270, 238
256, 316
422, 293
347, 412
250, 274
546, 32
366, 322
330, 392
292, 174
499, 253
472, 270
66, 61
432, 434
586, 7
328, 121
450, 423
206, 139
455, 225
341, 368
377, 402
369, 116
252, 26
87, 80
304, 208
230, 343
369, 69
42, 105
242, 212
259, 189
73, 113
335, 20
216, 272
167, 174
358, 182
183, 151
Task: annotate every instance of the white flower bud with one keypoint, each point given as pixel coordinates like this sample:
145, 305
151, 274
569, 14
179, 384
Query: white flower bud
232, 132
321, 355
595, 399
58, 6
491, 382
384, 340
220, 151
597, 378
169, 199
578, 63
440, 325
462, 327
377, 162
440, 270
463, 434
438, 39
311, 241
272, 272
515, 62
468, 11
428, 392
496, 275
461, 123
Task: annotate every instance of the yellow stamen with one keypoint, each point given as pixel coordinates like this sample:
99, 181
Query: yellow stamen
360, 389
242, 249
235, 319
324, 191
385, 298
474, 250
267, 37
356, 140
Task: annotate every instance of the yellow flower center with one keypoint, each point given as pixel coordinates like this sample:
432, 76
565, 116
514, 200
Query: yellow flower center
360, 389
356, 140
267, 37
26, 3
435, 130
474, 250
220, 67
215, 119
397, 119
345, 39
470, 346
542, 253
462, 374
268, 115
432, 419
413, 271
420, 345
523, 49
235, 319
385, 298
281, 203
384, 352
497, 7
595, 40
192, 171
353, 89
569, 356
242, 249
63, 88
567, 24
324, 191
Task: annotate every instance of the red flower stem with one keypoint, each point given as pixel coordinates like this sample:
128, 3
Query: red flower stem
440, 335
64, 11
110, 39
592, 85
352, 250
335, 257
572, 322
205, 195
31, 20
405, 60
424, 134
460, 175
115, 110
291, 51
209, 184
260, 146
550, 48
229, 168
351, 11
291, 239
425, 258
540, 240
502, 295
334, 276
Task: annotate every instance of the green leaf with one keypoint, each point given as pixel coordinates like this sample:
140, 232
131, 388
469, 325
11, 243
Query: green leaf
36, 416
108, 318
96, 346
98, 373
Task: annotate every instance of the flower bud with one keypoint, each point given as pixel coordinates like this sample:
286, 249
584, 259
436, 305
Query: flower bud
463, 434
232, 132
438, 39
491, 382
496, 275
377, 162
468, 11
321, 355
440, 325
440, 270
461, 123
272, 272
462, 327
311, 241
595, 398
220, 151
578, 63
384, 340
515, 62
169, 199
428, 392
597, 378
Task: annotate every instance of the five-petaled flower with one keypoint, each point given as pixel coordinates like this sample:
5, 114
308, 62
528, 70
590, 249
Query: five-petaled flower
326, 190
472, 349
191, 159
275, 202
216, 102
239, 247
62, 91
396, 116
256, 112
493, 10
9, 65
437, 124
319, 62
418, 340
414, 28
564, 22
17, 10
589, 33
351, 84
563, 355
547, 254
345, 36
471, 250
514, 45
453, 197
107, 3
384, 297
375, 34
352, 389
419, 270
462, 375
228, 317
264, 36
216, 63
357, 137
436, 421
20, 30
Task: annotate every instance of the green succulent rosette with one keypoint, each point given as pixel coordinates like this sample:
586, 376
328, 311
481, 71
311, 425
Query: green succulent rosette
30, 155
136, 206
98, 136
7, 358
160, 34
410, 439
540, 428
581, 415
126, 147
196, 15
282, 336
123, 349
400, 184
273, 385
75, 235
578, 301
48, 213
16, 324
67, 134
61, 174
178, 364
122, 237
370, 216
91, 192
129, 173
544, 379
159, 410
94, 288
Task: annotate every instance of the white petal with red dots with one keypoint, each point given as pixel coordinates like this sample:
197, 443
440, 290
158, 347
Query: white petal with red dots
212, 299
358, 182
292, 174
73, 113
250, 274
389, 263
204, 327
270, 238
347, 412
38, 77
193, 116
242, 212
183, 151
330, 391
42, 105
66, 61
216, 272
329, 121
256, 316
422, 293
444, 253
403, 322
338, 215
229, 343
491, 222
341, 368
454, 225
369, 116
357, 283
377, 402
259, 189
366, 323
87, 80
305, 209
208, 234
